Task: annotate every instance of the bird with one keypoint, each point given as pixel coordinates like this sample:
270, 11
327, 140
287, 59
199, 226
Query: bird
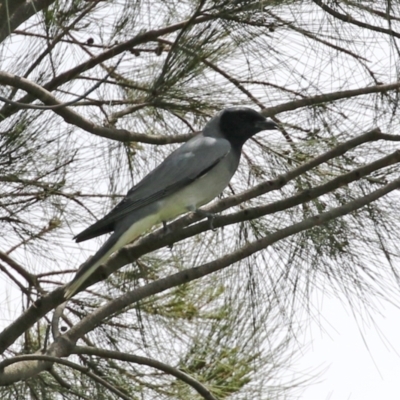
190, 177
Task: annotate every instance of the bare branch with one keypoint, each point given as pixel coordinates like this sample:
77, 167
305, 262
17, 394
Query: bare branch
59, 379
31, 315
128, 110
123, 135
328, 97
159, 239
47, 362
315, 37
94, 319
55, 322
23, 289
31, 279
24, 10
76, 119
300, 198
61, 105
117, 355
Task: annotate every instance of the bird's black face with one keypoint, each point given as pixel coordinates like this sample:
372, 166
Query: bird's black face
240, 124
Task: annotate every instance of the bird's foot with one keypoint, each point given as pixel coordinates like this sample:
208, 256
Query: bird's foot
166, 228
205, 214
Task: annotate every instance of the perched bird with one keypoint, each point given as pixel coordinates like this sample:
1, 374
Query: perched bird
188, 178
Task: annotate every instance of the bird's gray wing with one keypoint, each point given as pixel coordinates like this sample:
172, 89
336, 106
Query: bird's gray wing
180, 168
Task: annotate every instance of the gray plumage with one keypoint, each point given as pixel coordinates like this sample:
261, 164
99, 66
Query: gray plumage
188, 178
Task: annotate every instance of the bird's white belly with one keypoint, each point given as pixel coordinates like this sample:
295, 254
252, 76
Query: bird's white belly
196, 194
135, 230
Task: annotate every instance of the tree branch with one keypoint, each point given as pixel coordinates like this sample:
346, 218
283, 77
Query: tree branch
312, 36
123, 135
94, 319
61, 105
196, 385
300, 198
31, 279
47, 362
158, 239
16, 281
25, 9
72, 117
327, 98
91, 321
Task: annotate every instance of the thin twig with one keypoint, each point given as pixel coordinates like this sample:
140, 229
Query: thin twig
351, 20
31, 279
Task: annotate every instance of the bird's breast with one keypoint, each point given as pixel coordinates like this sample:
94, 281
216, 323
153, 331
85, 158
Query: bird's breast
199, 192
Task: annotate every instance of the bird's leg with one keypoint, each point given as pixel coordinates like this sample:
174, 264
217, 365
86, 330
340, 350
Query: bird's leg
167, 230
205, 214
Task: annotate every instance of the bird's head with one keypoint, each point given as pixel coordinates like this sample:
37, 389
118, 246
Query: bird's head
239, 124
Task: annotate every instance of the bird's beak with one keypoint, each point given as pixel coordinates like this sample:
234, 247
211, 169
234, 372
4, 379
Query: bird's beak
266, 125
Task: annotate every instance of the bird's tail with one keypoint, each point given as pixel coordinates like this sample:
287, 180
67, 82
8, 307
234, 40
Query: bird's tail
123, 235
92, 265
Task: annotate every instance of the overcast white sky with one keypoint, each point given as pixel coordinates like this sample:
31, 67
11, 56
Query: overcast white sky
360, 362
